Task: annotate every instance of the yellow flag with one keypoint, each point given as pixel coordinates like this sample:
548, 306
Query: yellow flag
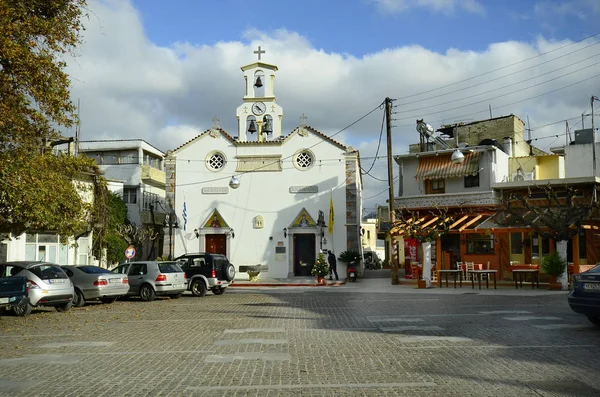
330, 227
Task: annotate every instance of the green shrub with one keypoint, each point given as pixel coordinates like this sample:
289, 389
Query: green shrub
553, 265
349, 256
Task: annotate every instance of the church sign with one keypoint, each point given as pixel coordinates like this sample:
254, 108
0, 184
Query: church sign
215, 190
304, 189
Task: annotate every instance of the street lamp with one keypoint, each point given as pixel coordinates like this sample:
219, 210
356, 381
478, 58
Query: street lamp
171, 223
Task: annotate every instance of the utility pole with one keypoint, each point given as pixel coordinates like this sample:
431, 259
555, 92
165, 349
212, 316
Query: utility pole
593, 138
393, 256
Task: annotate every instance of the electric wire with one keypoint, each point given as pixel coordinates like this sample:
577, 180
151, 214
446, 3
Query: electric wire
378, 146
502, 95
509, 85
503, 67
290, 156
502, 106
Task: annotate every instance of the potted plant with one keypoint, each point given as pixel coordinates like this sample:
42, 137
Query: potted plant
554, 266
320, 269
349, 256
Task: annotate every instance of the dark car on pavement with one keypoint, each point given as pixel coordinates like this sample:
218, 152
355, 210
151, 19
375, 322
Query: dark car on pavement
13, 293
584, 297
206, 271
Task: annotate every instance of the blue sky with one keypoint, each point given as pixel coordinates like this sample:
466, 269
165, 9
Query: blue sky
161, 70
360, 27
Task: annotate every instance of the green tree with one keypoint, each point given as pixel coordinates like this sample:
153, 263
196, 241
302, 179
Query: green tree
38, 190
117, 216
44, 192
35, 36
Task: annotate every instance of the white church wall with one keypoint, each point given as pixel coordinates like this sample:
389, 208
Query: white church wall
265, 194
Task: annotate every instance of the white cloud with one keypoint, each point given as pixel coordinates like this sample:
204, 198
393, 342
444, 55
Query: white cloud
132, 88
442, 6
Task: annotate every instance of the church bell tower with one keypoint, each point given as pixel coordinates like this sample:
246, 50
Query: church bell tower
259, 117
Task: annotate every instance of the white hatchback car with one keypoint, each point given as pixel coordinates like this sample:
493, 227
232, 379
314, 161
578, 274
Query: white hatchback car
151, 278
47, 284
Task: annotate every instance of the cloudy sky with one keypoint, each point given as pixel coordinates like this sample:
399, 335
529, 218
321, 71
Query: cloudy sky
161, 70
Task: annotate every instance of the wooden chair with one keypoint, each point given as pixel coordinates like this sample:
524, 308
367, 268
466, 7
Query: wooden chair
434, 274
469, 266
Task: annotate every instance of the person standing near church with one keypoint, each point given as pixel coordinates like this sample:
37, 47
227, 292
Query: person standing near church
332, 266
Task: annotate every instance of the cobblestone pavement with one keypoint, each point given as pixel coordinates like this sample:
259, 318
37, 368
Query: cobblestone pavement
305, 342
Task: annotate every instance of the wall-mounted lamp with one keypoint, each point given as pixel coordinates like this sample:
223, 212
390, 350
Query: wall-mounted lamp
285, 232
232, 234
197, 233
234, 183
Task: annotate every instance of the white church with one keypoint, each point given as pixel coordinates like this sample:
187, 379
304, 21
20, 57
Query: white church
260, 196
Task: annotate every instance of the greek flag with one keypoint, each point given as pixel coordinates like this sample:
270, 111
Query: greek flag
184, 216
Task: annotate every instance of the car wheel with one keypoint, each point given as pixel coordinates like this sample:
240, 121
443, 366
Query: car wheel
147, 293
78, 299
107, 300
22, 309
229, 272
594, 319
177, 296
198, 288
64, 307
218, 291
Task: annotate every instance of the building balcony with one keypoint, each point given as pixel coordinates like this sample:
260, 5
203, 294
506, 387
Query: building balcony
153, 176
425, 201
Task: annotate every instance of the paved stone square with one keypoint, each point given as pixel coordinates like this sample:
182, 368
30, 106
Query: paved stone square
308, 341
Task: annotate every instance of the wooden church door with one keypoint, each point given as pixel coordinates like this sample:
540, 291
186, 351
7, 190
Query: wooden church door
216, 244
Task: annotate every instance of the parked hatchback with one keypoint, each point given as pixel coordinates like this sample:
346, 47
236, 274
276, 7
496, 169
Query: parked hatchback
94, 282
47, 283
149, 279
584, 297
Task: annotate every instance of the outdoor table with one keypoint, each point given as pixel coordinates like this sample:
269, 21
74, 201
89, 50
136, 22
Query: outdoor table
522, 273
479, 274
446, 272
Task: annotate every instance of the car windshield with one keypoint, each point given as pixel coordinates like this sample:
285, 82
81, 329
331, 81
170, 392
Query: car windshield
93, 270
169, 267
594, 269
48, 272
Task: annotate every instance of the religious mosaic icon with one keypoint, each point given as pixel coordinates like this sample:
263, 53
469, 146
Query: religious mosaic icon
303, 220
215, 221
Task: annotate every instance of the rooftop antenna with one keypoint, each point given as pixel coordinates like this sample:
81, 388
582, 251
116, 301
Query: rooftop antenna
528, 129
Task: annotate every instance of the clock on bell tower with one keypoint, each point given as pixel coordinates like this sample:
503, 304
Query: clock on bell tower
259, 116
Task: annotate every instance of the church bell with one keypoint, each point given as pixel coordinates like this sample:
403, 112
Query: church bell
252, 127
258, 82
267, 128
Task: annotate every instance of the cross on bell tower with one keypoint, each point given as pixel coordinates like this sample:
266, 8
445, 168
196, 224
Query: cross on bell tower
259, 116
259, 52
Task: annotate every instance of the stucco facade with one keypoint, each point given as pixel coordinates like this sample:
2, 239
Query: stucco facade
286, 182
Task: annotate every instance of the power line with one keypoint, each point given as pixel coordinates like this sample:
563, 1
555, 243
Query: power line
509, 85
504, 67
502, 106
378, 146
498, 96
290, 156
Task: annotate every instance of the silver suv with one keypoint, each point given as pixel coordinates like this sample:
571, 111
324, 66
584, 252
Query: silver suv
152, 278
47, 284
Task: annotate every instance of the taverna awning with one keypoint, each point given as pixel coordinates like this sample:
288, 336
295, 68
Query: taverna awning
441, 167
